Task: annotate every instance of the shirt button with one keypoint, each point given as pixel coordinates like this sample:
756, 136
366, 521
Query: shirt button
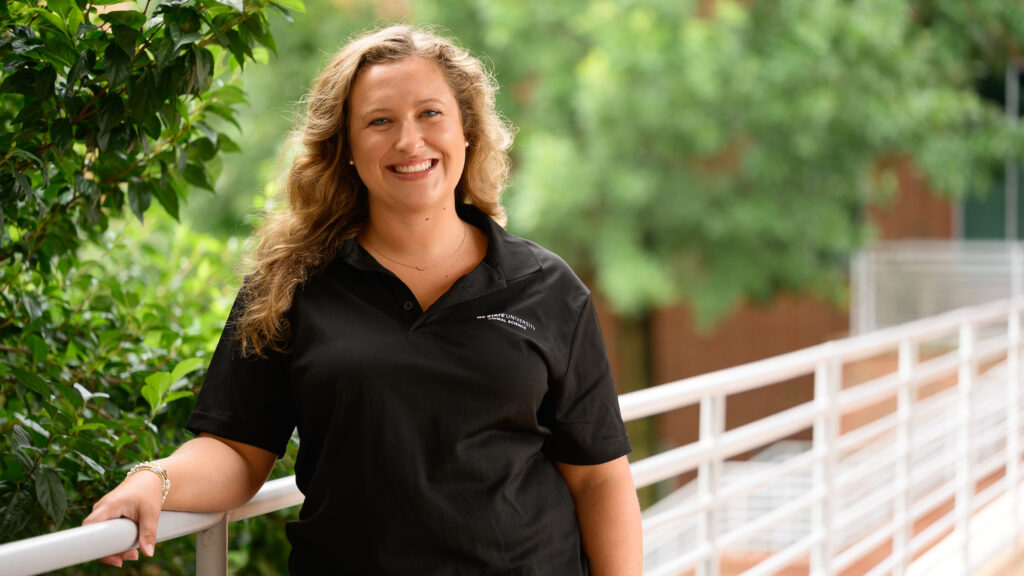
407, 305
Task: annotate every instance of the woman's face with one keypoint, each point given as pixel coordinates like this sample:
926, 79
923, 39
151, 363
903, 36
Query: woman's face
405, 135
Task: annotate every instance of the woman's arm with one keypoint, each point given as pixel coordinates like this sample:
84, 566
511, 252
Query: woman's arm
207, 474
609, 516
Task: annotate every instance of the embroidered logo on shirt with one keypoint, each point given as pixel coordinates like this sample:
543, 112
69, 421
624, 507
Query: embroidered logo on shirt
510, 319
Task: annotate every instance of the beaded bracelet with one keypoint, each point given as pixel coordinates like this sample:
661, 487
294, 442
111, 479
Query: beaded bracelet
157, 469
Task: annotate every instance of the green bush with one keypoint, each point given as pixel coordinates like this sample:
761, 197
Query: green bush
105, 324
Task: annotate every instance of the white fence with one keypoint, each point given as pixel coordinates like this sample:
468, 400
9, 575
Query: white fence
897, 281
896, 467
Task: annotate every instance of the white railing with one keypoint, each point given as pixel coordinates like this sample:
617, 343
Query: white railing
933, 476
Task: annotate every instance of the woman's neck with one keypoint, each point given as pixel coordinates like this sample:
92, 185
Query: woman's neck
416, 240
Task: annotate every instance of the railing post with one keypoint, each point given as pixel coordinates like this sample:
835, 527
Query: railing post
212, 550
964, 479
1013, 416
905, 399
709, 476
827, 384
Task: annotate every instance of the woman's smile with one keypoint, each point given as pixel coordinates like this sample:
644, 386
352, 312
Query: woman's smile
416, 168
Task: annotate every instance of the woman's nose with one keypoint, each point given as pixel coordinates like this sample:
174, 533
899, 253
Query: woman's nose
409, 137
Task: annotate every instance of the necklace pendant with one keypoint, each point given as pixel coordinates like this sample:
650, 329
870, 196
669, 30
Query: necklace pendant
420, 268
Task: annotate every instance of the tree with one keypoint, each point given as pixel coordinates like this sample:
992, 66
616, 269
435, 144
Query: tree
105, 106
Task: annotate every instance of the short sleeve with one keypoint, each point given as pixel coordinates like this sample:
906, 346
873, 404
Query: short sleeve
582, 407
245, 399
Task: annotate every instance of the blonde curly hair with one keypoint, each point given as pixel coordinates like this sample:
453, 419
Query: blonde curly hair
327, 201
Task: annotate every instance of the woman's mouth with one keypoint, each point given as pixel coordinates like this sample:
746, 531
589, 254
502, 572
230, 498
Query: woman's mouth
413, 168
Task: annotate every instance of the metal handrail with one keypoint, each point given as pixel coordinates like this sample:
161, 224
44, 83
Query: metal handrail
903, 431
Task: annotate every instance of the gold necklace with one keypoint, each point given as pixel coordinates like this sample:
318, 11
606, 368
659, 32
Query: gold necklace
465, 233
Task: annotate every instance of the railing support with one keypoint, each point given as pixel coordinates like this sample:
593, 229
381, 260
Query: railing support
212, 550
709, 479
905, 399
1013, 375
827, 384
964, 479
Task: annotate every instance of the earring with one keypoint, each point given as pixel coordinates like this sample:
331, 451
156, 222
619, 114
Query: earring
352, 162
467, 144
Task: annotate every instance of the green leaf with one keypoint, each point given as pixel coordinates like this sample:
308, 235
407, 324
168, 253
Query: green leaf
229, 94
64, 421
32, 382
224, 112
182, 26
61, 135
74, 398
236, 4
293, 5
200, 62
125, 37
226, 144
185, 367
62, 7
50, 493
111, 112
177, 396
92, 463
15, 509
38, 347
155, 388
33, 307
168, 198
118, 64
85, 426
24, 460
195, 174
133, 19
86, 60
55, 21
21, 438
143, 98
32, 425
139, 197
21, 82
85, 187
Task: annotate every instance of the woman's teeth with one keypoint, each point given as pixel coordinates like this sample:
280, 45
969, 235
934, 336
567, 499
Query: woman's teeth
422, 166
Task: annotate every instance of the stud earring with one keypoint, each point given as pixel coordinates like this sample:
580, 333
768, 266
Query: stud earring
352, 162
467, 144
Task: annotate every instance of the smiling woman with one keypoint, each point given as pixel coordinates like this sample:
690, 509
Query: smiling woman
448, 380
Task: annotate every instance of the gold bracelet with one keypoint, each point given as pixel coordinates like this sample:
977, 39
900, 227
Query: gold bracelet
165, 482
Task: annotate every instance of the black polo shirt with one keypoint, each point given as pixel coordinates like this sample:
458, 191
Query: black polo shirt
427, 439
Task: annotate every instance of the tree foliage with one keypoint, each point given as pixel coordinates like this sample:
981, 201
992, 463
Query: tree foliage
104, 326
731, 155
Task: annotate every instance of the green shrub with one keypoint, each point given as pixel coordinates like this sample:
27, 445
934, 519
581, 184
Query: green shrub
105, 325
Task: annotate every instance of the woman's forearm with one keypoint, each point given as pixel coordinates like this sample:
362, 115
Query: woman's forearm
609, 517
208, 474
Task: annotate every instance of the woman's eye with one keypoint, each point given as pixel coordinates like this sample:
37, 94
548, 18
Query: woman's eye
431, 113
378, 122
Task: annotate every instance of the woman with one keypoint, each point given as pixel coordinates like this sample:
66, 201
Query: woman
448, 380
